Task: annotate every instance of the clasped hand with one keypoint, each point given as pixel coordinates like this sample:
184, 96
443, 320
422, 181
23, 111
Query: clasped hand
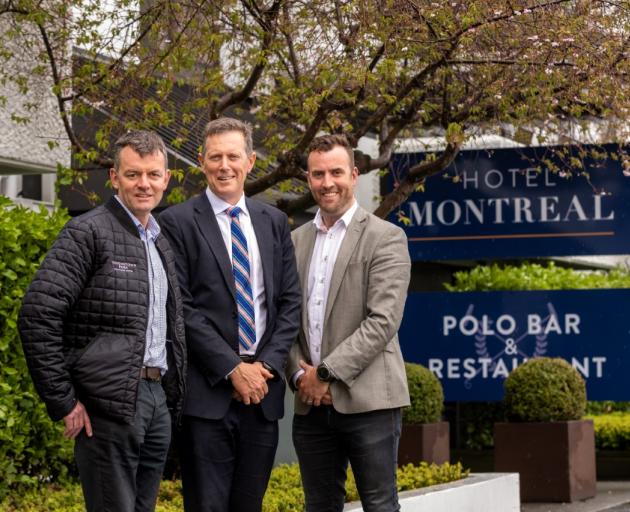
311, 390
250, 382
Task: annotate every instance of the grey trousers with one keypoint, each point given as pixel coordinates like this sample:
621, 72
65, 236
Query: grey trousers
121, 465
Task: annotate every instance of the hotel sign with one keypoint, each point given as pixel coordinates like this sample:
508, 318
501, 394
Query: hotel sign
506, 203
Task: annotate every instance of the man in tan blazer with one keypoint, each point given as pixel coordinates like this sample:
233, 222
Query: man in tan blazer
346, 367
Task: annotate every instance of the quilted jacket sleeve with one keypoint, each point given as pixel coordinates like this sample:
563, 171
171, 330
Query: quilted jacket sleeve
52, 293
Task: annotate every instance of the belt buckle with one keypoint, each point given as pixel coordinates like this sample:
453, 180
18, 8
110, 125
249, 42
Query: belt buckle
151, 373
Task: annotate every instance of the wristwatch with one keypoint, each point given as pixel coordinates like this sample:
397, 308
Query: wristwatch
324, 373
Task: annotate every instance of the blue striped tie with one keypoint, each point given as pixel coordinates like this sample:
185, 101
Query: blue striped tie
242, 281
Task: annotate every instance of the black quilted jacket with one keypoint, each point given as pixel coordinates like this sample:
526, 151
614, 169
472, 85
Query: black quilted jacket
83, 318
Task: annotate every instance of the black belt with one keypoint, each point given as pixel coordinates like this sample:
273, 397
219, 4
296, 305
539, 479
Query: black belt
151, 373
246, 358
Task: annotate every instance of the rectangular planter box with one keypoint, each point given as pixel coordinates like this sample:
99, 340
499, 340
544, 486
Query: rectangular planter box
556, 460
428, 442
489, 492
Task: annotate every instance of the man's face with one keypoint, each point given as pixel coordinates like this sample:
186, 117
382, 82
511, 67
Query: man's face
332, 182
140, 181
226, 165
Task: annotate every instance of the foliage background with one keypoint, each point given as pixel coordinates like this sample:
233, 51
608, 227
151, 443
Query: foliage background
544, 71
32, 448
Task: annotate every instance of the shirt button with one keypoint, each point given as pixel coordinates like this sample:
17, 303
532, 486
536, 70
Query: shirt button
317, 349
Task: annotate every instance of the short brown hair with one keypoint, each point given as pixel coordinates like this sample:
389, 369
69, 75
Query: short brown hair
228, 124
143, 142
325, 143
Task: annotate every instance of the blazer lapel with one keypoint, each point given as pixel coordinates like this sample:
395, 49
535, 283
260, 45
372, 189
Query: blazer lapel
209, 227
264, 236
347, 249
304, 253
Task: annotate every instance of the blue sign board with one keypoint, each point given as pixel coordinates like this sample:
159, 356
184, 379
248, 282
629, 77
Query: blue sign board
508, 203
471, 341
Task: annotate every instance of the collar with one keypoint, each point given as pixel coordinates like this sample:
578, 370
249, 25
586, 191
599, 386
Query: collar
344, 219
219, 205
152, 230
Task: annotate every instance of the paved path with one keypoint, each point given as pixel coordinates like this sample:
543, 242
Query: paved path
611, 497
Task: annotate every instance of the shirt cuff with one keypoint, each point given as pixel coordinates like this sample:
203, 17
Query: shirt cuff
296, 376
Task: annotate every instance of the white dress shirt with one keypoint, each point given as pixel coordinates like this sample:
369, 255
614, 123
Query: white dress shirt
327, 244
155, 348
219, 206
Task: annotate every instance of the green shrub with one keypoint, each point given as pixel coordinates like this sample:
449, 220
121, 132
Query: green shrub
534, 276
612, 431
32, 448
284, 493
545, 389
427, 396
606, 407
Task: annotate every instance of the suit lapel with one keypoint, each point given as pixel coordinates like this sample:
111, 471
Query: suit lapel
264, 237
347, 249
208, 226
304, 253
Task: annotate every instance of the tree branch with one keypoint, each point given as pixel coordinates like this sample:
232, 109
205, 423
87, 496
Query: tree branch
236, 97
65, 117
415, 175
290, 206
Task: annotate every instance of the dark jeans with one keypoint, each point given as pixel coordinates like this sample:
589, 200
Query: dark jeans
226, 463
121, 465
325, 440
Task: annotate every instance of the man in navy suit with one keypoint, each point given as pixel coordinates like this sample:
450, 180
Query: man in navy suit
241, 294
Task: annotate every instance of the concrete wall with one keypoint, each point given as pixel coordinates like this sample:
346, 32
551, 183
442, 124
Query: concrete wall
482, 492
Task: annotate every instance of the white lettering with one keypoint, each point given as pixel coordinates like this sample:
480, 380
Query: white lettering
572, 323
496, 182
448, 324
436, 365
498, 208
511, 325
452, 371
522, 206
548, 206
576, 207
476, 210
457, 212
417, 216
533, 324
598, 210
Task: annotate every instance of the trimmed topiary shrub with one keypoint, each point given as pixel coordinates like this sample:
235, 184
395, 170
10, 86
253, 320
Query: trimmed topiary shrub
32, 448
545, 389
427, 396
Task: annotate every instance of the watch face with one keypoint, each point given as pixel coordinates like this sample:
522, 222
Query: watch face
323, 373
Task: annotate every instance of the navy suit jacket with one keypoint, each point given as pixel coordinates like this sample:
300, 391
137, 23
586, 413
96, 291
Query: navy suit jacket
209, 296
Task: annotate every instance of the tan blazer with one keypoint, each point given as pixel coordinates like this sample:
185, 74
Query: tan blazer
364, 309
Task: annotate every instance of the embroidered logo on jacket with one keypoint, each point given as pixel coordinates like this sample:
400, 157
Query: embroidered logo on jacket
123, 266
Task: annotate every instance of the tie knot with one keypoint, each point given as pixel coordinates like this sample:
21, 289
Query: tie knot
233, 211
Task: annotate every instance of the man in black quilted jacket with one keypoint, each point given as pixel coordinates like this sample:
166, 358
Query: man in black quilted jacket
103, 334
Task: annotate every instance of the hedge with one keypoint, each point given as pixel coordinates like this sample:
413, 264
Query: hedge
534, 276
612, 431
32, 448
284, 493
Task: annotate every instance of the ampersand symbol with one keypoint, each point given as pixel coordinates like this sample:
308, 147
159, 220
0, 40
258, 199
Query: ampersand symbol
510, 346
